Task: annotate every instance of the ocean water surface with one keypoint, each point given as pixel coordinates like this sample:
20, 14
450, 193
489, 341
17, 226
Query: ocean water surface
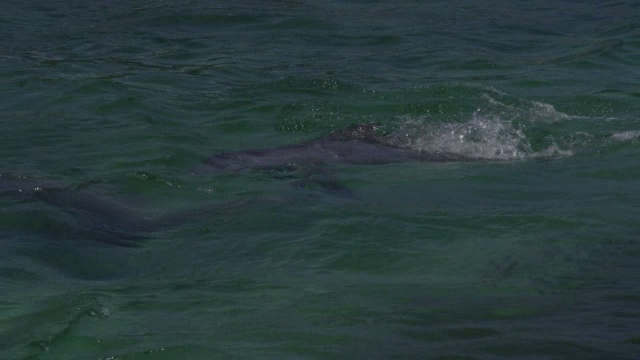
115, 244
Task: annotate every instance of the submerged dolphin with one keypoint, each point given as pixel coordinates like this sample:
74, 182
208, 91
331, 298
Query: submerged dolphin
95, 216
91, 215
359, 144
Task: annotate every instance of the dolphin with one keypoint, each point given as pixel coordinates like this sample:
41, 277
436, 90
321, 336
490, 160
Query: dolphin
98, 217
357, 144
91, 215
111, 222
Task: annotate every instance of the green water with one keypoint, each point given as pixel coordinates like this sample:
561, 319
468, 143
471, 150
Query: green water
530, 252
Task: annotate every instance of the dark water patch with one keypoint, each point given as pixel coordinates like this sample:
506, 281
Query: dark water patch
633, 340
624, 174
19, 275
581, 54
472, 333
604, 106
543, 344
86, 260
546, 348
195, 21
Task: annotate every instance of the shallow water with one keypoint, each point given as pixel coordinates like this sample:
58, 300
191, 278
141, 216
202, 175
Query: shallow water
531, 251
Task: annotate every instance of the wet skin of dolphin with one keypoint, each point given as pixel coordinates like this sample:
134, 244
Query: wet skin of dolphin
354, 145
96, 217
111, 222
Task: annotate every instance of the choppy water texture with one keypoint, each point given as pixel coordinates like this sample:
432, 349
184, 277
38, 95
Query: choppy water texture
530, 252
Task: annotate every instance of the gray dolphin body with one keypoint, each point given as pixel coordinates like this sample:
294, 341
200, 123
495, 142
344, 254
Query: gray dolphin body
358, 144
94, 216
108, 221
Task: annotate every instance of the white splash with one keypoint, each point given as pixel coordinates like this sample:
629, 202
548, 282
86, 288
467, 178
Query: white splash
482, 137
551, 151
547, 112
625, 136
502, 127
534, 111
